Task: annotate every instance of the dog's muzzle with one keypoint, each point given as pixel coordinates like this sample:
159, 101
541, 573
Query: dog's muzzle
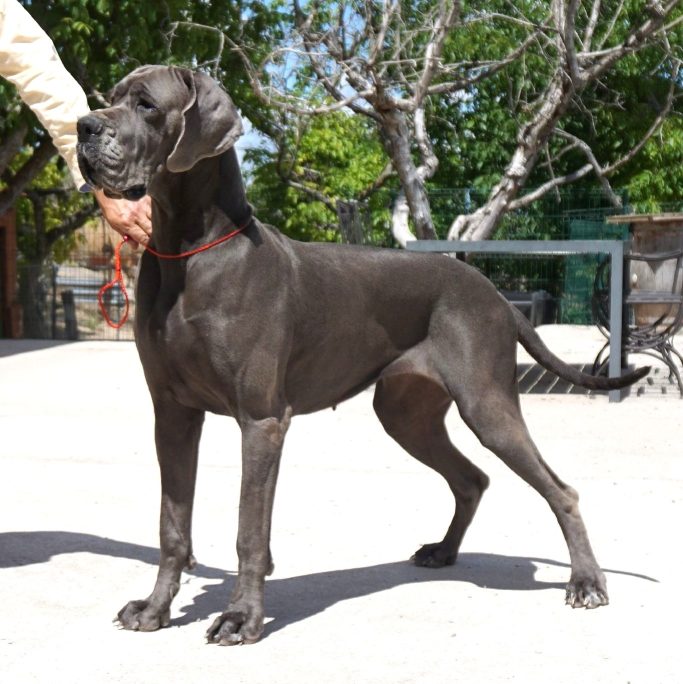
91, 130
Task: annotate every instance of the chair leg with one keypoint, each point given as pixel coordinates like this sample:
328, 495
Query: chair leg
675, 351
667, 351
599, 364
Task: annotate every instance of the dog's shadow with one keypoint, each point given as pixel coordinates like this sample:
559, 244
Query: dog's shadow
291, 599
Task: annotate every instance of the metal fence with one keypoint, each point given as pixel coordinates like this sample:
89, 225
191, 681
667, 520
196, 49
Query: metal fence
568, 278
575, 215
60, 301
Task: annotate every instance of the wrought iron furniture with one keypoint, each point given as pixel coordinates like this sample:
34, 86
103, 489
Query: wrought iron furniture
653, 303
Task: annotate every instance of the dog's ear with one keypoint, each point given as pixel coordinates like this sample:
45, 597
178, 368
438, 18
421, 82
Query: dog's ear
210, 124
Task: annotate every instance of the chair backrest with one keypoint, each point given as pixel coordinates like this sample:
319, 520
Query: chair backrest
656, 289
659, 272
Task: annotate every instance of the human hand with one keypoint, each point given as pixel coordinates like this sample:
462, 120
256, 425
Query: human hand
132, 219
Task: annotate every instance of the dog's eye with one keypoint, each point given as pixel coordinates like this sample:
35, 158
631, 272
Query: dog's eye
146, 105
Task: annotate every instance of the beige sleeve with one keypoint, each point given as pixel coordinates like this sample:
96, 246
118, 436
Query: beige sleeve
29, 60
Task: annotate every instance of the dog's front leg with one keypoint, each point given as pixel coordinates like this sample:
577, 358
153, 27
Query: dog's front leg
242, 621
177, 433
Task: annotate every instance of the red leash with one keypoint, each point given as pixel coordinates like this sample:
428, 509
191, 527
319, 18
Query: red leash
118, 275
118, 280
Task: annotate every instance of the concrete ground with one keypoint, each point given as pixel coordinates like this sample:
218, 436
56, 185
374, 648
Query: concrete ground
78, 538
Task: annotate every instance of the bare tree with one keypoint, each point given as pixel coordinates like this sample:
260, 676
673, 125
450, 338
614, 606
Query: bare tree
386, 61
578, 59
357, 53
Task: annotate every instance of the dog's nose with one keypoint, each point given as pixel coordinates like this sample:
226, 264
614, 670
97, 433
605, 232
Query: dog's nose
89, 126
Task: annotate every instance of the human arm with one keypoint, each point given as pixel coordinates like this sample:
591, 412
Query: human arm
29, 60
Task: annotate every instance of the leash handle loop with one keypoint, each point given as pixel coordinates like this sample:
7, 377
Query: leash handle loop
117, 280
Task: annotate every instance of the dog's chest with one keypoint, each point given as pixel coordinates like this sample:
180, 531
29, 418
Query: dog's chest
189, 358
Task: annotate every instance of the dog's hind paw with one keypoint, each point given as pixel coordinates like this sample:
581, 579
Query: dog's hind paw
586, 594
137, 616
433, 556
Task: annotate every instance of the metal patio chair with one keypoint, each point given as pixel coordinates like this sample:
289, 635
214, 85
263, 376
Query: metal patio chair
653, 315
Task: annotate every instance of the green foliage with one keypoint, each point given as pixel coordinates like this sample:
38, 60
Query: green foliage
475, 132
336, 156
658, 177
339, 156
58, 208
100, 41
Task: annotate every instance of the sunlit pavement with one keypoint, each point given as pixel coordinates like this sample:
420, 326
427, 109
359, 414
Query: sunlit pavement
78, 538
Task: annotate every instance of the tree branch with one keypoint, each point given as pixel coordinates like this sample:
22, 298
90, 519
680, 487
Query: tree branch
25, 175
449, 14
75, 221
483, 70
311, 192
11, 145
636, 40
602, 172
386, 173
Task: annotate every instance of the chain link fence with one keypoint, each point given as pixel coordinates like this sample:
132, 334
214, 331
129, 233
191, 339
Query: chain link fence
60, 301
574, 214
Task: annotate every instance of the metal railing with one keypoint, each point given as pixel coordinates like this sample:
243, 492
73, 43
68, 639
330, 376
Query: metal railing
613, 248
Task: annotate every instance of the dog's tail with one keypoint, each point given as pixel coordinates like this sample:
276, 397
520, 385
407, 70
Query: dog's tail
535, 346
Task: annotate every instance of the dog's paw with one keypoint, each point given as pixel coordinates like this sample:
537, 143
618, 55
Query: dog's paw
587, 593
433, 556
139, 617
233, 628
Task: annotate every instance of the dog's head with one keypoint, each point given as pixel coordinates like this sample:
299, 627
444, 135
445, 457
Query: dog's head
161, 118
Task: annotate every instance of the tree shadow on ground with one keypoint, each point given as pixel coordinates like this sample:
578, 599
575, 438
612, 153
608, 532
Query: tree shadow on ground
292, 599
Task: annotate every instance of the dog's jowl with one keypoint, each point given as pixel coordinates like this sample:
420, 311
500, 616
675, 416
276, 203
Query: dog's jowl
261, 328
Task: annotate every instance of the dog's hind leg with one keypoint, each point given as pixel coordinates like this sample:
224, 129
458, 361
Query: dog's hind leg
177, 433
412, 408
493, 413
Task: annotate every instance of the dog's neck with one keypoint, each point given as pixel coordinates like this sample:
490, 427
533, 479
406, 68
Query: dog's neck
230, 195
194, 207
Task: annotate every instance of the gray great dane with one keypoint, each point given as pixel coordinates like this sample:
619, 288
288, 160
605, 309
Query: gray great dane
262, 328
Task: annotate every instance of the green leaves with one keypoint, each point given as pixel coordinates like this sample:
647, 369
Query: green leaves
474, 131
335, 157
100, 41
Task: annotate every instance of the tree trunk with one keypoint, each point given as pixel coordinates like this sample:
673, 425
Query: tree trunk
34, 291
350, 224
34, 287
11, 145
396, 137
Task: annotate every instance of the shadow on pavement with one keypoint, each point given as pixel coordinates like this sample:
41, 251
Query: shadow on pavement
12, 347
291, 599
